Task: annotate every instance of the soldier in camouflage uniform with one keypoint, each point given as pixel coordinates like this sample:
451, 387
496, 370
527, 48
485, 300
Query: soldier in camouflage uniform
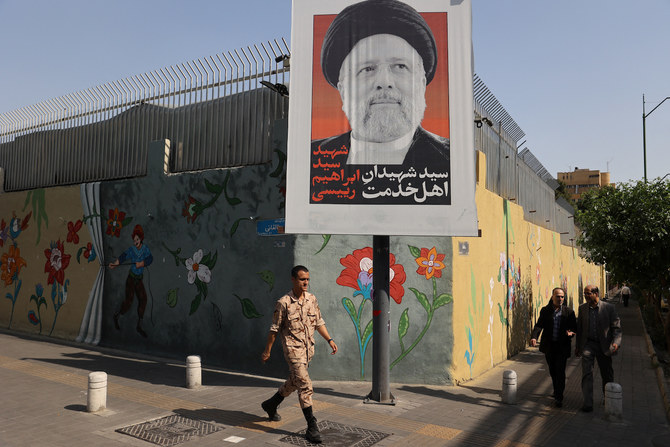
295, 318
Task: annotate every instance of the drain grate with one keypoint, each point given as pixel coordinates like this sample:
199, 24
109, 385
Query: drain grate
170, 430
338, 435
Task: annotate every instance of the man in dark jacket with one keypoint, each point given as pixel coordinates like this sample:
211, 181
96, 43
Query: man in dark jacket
558, 324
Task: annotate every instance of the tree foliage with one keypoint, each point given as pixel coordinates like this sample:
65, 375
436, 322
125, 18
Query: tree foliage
627, 227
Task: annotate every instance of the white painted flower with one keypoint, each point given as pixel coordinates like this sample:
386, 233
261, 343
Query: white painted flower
196, 269
491, 284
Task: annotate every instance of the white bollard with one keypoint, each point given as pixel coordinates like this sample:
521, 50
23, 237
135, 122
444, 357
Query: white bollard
193, 371
613, 401
509, 387
97, 391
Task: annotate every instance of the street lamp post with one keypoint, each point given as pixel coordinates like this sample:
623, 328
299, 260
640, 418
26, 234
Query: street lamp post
644, 132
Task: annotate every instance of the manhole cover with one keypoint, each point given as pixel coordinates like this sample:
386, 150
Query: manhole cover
338, 435
170, 430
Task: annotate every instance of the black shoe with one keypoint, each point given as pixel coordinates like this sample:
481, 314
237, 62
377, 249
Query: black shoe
116, 322
587, 409
141, 331
312, 434
270, 407
558, 403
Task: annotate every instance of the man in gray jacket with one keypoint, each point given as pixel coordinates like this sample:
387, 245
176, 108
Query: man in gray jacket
598, 338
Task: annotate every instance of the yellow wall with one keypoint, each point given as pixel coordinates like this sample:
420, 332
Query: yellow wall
504, 279
44, 214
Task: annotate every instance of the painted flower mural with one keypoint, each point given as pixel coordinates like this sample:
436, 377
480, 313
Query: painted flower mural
56, 263
117, 220
430, 263
430, 267
192, 209
36, 318
197, 269
357, 274
72, 230
11, 264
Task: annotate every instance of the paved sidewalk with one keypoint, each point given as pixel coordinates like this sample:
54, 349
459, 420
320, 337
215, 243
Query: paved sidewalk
43, 390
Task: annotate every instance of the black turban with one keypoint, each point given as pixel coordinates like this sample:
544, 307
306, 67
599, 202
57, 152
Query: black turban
370, 17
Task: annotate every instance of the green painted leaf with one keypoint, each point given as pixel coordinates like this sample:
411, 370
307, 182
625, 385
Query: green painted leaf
79, 252
236, 224
403, 324
326, 239
367, 333
441, 300
248, 308
215, 189
421, 297
173, 297
280, 165
212, 261
127, 221
416, 252
350, 308
195, 304
267, 277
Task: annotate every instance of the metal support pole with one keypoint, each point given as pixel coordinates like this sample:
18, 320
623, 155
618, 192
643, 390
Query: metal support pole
381, 323
644, 140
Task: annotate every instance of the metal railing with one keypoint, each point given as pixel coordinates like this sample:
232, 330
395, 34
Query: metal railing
212, 109
508, 175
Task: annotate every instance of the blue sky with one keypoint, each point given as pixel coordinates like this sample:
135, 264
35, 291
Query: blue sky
571, 73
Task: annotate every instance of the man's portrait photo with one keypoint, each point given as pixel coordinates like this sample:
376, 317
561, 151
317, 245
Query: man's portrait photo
380, 106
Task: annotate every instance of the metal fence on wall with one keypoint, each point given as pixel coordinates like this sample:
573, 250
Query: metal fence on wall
508, 175
214, 111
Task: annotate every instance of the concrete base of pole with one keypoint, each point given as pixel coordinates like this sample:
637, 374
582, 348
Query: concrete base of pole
509, 387
193, 371
97, 391
613, 401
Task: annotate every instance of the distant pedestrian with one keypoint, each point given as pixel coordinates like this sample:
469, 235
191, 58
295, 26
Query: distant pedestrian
558, 324
295, 318
625, 295
598, 338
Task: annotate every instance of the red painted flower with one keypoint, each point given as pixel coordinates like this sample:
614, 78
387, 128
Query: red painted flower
357, 274
115, 222
72, 229
189, 211
430, 263
57, 262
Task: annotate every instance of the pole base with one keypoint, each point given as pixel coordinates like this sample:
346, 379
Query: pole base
370, 399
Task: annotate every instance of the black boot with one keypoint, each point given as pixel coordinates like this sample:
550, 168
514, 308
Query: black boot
312, 434
270, 406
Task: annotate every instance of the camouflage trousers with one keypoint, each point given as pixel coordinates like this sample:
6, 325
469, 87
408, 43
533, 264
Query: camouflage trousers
299, 380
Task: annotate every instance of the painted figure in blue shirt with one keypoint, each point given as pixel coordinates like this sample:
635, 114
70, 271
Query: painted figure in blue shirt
140, 257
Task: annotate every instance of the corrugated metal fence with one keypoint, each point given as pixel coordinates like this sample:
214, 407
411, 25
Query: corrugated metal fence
213, 110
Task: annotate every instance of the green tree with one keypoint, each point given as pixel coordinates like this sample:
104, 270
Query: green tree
627, 228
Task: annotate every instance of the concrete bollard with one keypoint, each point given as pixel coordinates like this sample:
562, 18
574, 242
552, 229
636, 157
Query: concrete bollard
193, 371
509, 387
613, 401
97, 391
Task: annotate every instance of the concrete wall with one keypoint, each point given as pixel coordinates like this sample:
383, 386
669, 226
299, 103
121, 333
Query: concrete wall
213, 281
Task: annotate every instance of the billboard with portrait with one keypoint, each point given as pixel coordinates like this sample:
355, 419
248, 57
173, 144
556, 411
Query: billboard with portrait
380, 118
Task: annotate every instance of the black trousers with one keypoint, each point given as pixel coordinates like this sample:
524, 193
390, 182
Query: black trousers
556, 360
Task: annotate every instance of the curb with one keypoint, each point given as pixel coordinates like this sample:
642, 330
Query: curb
660, 377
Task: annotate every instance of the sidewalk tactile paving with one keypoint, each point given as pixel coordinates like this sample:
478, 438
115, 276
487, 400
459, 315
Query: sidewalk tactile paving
169, 430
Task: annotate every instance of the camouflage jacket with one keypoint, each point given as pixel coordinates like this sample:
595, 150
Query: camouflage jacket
296, 323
